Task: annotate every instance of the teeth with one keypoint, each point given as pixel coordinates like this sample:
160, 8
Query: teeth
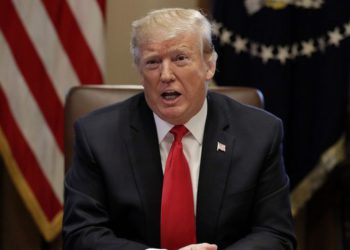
170, 95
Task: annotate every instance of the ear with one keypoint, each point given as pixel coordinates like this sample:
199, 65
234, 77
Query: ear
210, 69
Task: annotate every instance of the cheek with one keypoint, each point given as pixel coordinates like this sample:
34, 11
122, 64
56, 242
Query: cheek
149, 78
196, 88
192, 79
150, 84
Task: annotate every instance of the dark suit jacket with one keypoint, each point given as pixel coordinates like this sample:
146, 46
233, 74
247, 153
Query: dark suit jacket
113, 188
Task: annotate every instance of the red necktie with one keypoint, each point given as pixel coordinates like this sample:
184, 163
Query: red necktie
177, 214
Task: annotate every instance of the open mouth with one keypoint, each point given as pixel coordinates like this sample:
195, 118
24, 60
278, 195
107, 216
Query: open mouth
170, 95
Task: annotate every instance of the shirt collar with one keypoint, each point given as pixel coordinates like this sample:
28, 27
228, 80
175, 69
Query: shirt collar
195, 125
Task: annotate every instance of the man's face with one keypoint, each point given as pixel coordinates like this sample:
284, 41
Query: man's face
174, 74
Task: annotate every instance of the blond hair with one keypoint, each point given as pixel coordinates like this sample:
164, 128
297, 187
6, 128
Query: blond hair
167, 23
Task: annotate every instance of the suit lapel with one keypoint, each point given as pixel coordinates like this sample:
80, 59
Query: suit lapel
214, 169
144, 154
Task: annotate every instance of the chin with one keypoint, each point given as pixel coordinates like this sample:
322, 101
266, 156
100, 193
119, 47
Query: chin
172, 116
171, 119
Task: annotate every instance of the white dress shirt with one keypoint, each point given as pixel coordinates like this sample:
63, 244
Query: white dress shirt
192, 143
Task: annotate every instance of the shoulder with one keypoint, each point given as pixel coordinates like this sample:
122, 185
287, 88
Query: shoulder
113, 116
237, 111
244, 121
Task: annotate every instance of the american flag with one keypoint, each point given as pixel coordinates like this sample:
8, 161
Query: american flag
46, 47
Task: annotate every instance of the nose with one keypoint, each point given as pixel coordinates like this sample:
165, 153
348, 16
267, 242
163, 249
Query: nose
166, 73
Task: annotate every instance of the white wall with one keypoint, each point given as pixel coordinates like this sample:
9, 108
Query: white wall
120, 14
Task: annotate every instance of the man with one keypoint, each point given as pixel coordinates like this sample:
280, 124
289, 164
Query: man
220, 184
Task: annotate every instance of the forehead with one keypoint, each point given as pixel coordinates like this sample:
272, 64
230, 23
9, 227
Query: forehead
182, 42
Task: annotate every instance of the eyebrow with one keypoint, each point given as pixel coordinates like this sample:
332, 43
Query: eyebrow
150, 53
181, 47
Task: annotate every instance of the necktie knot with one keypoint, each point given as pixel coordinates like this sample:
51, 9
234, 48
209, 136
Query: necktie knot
179, 132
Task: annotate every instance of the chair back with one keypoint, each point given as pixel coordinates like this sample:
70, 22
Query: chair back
84, 99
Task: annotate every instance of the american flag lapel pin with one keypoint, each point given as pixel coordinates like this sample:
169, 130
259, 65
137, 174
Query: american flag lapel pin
221, 147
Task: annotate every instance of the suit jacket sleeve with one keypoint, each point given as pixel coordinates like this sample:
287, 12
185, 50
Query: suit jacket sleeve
272, 226
87, 222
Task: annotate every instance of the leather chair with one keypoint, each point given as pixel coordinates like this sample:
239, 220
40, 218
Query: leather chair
83, 99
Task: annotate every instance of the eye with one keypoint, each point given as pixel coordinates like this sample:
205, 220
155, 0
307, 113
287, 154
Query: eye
152, 63
181, 59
